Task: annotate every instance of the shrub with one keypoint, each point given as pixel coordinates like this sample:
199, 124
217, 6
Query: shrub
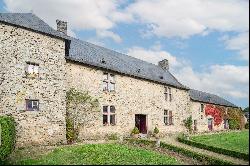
201, 157
188, 123
112, 136
135, 131
234, 124
215, 149
156, 130
198, 156
247, 125
8, 135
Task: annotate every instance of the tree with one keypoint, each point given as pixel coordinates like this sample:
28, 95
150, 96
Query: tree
81, 109
188, 124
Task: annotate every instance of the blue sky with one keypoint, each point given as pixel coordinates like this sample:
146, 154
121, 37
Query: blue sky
207, 50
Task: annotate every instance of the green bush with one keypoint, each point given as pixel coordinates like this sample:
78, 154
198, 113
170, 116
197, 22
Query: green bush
8, 135
215, 149
188, 123
135, 131
112, 136
70, 131
156, 130
234, 124
247, 125
201, 157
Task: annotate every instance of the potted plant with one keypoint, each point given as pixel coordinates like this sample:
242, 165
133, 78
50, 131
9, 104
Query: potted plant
156, 133
135, 132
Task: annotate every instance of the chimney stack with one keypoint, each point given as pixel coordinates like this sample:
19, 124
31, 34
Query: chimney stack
164, 64
61, 26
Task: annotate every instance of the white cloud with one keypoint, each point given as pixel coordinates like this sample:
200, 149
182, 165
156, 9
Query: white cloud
153, 56
239, 43
100, 15
224, 80
184, 18
110, 34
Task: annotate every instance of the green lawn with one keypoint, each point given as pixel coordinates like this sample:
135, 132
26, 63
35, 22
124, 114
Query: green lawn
237, 141
100, 154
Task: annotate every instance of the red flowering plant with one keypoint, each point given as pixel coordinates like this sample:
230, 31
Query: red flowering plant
215, 113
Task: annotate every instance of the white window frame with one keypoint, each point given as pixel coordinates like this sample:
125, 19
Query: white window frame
109, 81
168, 93
32, 69
32, 105
167, 116
108, 113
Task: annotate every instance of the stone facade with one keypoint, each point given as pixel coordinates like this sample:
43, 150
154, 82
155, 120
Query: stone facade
202, 119
132, 96
17, 47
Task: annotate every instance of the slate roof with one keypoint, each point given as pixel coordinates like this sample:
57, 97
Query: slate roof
91, 54
30, 21
209, 98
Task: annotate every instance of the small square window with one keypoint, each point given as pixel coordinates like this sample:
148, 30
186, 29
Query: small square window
32, 69
32, 105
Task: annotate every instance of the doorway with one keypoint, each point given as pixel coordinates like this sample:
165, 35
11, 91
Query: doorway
210, 124
141, 123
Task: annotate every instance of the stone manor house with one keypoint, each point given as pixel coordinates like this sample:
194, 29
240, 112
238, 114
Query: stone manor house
38, 65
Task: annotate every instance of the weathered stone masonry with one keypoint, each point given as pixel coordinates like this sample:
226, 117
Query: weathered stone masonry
132, 96
134, 93
18, 46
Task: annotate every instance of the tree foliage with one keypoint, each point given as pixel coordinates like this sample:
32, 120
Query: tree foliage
188, 124
81, 110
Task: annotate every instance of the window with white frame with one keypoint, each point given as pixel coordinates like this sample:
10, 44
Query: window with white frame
32, 69
109, 115
108, 82
32, 105
168, 117
168, 94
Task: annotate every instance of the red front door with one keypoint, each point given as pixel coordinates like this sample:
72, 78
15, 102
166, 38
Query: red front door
141, 123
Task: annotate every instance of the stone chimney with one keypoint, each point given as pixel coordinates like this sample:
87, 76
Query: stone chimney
164, 64
61, 26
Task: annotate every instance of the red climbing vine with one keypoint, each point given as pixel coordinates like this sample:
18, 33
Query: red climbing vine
215, 112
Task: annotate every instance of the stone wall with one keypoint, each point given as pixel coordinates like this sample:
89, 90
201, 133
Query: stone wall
132, 96
202, 123
18, 46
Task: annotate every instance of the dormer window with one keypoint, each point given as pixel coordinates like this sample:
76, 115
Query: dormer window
32, 70
108, 82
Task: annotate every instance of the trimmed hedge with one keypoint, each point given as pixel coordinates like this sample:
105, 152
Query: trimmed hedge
201, 157
8, 135
215, 149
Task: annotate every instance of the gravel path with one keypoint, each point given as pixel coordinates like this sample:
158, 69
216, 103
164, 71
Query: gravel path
173, 141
